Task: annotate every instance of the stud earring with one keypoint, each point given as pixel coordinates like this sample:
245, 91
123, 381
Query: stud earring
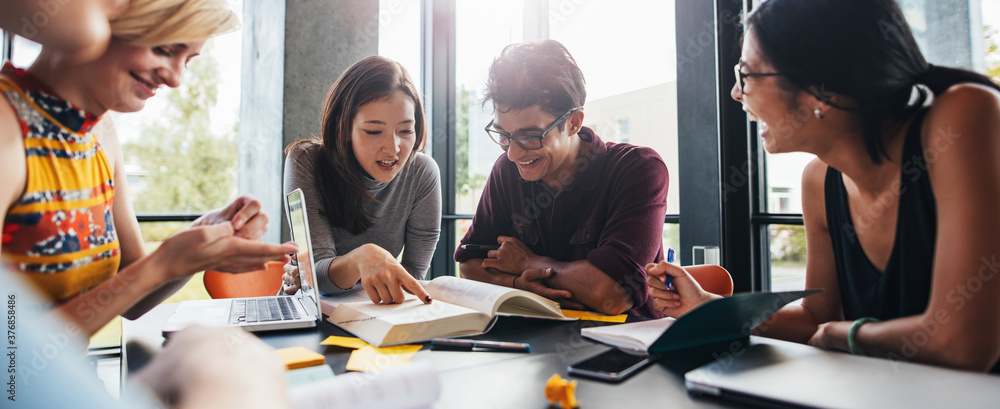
818, 113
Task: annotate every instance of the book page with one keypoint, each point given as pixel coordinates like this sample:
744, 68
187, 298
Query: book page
472, 294
409, 387
329, 302
523, 303
410, 321
409, 311
637, 336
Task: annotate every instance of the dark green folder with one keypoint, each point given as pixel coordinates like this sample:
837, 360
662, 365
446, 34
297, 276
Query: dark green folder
724, 319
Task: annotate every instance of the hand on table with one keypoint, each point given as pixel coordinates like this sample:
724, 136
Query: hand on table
832, 335
533, 280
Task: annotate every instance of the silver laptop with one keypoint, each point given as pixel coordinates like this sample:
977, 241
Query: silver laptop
782, 374
289, 309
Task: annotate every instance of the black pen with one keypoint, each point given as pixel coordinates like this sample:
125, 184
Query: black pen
474, 345
485, 247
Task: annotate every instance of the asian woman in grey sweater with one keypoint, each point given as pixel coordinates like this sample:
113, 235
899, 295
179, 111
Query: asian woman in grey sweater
372, 193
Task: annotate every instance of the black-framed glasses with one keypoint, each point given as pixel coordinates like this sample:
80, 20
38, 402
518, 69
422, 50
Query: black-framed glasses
741, 77
526, 142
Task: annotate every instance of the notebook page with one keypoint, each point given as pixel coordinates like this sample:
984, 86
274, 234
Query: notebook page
636, 336
409, 387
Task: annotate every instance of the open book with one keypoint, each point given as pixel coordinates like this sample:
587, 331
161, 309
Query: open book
461, 307
720, 320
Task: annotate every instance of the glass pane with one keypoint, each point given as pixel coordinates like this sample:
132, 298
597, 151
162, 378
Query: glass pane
991, 38
672, 240
482, 29
180, 150
631, 75
24, 52
949, 31
788, 257
784, 181
399, 34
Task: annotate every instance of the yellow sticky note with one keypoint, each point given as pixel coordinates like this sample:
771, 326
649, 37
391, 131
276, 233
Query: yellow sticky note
399, 349
371, 359
299, 357
594, 316
346, 342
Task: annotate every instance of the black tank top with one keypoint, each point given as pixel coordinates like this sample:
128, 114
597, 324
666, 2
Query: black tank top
904, 288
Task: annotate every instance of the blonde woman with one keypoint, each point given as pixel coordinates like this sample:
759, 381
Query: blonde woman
69, 226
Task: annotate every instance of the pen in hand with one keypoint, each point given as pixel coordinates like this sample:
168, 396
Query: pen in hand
667, 278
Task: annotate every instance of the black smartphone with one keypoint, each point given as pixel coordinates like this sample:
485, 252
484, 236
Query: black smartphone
611, 366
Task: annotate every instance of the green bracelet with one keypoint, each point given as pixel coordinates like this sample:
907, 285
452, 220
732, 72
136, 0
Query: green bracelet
852, 345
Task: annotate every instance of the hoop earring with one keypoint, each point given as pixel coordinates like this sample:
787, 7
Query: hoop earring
818, 113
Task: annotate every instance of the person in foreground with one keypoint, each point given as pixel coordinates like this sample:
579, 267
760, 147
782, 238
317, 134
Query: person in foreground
199, 367
68, 223
372, 194
902, 227
575, 218
78, 28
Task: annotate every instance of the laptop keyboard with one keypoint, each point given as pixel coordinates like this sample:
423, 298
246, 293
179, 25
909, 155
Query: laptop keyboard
263, 310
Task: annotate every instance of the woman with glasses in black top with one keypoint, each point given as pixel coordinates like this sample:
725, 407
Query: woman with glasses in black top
900, 206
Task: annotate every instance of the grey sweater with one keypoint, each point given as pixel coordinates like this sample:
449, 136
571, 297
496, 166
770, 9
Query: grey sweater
407, 216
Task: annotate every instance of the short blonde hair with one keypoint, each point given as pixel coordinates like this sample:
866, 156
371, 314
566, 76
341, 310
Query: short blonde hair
158, 22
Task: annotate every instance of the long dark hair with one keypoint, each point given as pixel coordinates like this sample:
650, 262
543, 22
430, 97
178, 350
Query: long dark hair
338, 173
861, 49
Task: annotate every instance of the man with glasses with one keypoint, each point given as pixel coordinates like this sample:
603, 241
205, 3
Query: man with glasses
564, 214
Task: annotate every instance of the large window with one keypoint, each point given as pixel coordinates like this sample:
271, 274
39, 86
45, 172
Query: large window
626, 51
399, 34
482, 29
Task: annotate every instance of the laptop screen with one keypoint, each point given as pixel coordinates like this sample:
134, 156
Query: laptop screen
305, 288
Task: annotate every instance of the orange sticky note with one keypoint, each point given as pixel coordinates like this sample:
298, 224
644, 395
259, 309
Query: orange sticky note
299, 357
594, 316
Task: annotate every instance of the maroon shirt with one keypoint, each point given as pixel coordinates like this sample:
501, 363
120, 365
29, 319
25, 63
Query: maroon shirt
611, 215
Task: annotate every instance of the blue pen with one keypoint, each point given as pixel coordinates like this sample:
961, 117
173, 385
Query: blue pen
667, 278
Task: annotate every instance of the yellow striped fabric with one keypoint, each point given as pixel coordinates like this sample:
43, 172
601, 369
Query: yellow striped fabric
60, 233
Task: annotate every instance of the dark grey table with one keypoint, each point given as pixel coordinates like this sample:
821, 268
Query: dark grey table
496, 379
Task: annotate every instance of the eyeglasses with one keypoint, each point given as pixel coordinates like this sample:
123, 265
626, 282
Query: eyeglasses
741, 77
526, 142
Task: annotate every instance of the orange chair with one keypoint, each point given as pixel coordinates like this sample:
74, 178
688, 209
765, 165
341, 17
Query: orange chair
712, 278
257, 283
